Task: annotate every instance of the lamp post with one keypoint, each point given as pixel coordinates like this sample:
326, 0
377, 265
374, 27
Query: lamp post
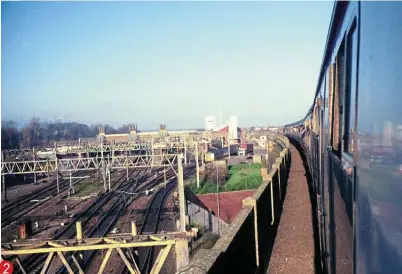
218, 200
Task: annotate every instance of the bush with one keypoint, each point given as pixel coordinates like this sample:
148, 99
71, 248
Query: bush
210, 187
201, 227
211, 174
205, 187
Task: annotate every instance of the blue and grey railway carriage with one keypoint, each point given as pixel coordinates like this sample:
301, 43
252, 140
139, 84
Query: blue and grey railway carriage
352, 135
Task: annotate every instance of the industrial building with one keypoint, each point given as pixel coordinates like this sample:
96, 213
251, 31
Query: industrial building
230, 128
134, 135
210, 123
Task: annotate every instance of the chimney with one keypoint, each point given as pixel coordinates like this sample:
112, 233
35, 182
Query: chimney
133, 129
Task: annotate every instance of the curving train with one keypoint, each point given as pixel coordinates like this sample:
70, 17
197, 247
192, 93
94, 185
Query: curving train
352, 138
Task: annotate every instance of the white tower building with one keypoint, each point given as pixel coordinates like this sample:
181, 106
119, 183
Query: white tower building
233, 127
210, 123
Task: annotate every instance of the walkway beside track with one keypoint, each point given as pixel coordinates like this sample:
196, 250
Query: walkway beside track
294, 247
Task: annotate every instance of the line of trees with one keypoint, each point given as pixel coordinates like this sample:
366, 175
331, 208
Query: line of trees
38, 134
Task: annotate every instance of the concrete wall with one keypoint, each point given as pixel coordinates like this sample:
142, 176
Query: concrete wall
199, 212
246, 245
202, 216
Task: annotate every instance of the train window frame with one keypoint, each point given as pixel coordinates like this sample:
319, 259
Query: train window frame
350, 98
338, 98
343, 120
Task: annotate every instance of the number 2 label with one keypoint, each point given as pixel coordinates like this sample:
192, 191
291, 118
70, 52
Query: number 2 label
6, 267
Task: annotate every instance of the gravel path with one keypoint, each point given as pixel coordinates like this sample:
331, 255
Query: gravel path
293, 250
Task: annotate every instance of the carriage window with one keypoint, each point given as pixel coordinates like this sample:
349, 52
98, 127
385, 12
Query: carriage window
315, 119
339, 100
331, 86
350, 94
316, 123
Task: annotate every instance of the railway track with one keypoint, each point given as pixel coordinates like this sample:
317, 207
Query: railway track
107, 219
105, 224
14, 211
34, 263
112, 216
11, 204
151, 223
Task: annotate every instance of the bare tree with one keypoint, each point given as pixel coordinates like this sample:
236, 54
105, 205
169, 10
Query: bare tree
10, 135
210, 173
37, 133
31, 134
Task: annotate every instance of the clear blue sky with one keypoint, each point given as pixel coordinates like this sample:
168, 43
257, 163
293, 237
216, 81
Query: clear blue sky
159, 62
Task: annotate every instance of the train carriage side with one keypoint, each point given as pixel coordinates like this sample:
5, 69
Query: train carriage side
355, 111
379, 188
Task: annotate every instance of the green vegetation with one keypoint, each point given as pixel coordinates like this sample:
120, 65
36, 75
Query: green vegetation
206, 186
200, 226
244, 176
87, 188
240, 177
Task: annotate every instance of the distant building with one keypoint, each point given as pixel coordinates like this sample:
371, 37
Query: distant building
210, 123
233, 129
120, 137
229, 132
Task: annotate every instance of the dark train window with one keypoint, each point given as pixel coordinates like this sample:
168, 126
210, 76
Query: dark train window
350, 92
339, 100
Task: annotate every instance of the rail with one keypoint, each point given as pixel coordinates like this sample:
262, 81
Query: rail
76, 253
245, 245
21, 207
152, 225
34, 262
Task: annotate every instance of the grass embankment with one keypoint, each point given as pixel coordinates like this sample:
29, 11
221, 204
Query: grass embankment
240, 177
